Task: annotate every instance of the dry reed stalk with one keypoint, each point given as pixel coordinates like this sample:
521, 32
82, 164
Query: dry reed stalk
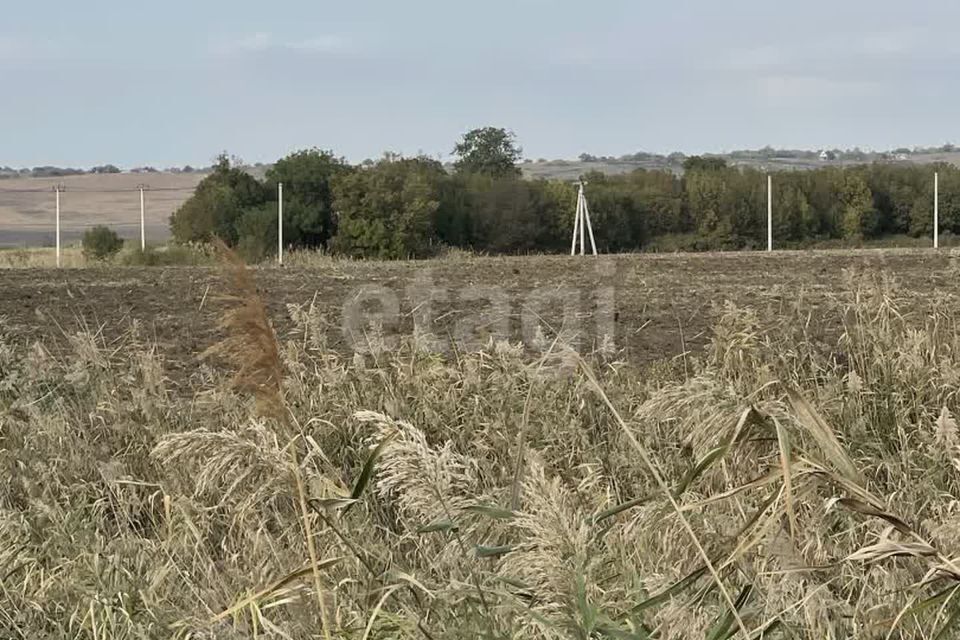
658, 477
251, 346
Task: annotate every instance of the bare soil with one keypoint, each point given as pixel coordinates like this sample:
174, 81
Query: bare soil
664, 305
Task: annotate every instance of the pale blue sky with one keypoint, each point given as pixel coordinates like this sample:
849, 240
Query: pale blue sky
175, 82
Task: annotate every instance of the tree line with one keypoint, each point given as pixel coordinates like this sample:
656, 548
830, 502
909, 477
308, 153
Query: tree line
400, 207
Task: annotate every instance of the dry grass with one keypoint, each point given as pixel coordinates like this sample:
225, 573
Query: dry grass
776, 486
70, 258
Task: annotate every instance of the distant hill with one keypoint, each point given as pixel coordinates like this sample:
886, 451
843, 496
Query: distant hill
770, 160
766, 158
27, 205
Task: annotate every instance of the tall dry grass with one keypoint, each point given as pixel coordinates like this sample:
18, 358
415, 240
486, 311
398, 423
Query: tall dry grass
781, 484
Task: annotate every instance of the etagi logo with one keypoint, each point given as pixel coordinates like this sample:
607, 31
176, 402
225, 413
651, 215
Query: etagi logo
447, 319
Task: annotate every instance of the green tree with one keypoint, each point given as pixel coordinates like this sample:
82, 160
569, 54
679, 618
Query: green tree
921, 215
217, 204
701, 163
820, 189
793, 217
490, 150
512, 215
857, 215
704, 192
452, 222
257, 232
307, 178
387, 211
744, 206
615, 213
101, 243
895, 189
659, 199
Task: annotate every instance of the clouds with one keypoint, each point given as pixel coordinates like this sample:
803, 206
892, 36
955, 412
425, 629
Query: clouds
820, 68
796, 89
16, 48
263, 42
365, 76
811, 50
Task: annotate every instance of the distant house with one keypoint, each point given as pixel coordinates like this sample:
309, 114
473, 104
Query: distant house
824, 155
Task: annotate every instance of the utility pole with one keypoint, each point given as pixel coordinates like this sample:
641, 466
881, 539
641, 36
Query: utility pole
769, 212
280, 223
581, 225
143, 232
57, 190
576, 223
936, 210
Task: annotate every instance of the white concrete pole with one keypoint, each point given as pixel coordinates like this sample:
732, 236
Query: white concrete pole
936, 210
576, 223
586, 217
583, 219
57, 189
143, 232
280, 222
769, 212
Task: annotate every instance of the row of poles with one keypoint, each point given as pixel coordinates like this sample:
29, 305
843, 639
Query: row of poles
582, 226
143, 231
936, 211
582, 218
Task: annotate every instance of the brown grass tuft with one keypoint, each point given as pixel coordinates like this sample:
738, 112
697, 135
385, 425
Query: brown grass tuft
250, 344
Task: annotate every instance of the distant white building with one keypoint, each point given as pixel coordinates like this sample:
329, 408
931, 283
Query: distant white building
824, 155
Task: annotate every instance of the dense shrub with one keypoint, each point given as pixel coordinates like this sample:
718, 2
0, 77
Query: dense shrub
217, 204
387, 211
101, 243
308, 211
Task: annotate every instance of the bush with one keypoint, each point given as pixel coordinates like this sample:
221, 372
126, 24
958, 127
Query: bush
101, 243
257, 233
217, 204
387, 210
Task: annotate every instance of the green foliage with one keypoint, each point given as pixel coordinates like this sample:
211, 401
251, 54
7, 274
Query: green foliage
387, 210
257, 232
793, 216
921, 215
511, 215
702, 163
412, 207
101, 243
307, 177
857, 215
490, 150
217, 204
619, 213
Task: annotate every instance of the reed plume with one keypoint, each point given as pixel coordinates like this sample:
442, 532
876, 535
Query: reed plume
249, 344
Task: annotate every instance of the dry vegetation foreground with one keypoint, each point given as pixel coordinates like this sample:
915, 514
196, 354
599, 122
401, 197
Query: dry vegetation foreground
751, 446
